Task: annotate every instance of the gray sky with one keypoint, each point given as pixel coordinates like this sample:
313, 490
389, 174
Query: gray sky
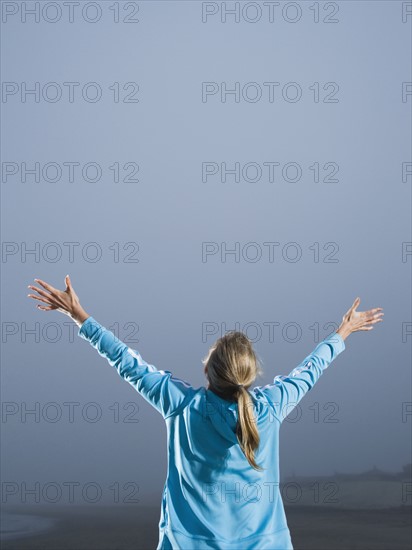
316, 101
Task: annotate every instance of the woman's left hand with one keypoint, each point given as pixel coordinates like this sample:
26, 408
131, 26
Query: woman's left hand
65, 301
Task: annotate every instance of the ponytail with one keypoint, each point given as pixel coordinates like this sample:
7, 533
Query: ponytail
230, 361
246, 428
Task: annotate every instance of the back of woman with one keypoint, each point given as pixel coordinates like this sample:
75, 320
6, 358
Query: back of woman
213, 498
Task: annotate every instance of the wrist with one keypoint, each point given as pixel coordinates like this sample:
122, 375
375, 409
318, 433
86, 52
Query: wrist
79, 315
343, 331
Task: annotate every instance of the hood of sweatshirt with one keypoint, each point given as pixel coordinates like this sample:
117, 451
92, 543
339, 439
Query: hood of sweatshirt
223, 415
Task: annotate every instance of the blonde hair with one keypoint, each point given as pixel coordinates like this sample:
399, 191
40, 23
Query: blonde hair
231, 362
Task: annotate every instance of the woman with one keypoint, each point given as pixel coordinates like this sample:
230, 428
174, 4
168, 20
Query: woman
222, 486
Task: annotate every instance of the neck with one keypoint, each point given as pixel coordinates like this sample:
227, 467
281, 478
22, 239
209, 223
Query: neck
225, 397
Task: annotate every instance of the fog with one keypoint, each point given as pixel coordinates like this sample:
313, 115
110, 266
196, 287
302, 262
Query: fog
188, 243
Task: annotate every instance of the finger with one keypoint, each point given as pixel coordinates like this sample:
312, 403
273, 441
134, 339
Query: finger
374, 321
376, 316
372, 311
40, 291
54, 297
366, 328
38, 298
68, 282
355, 304
44, 308
48, 287
369, 323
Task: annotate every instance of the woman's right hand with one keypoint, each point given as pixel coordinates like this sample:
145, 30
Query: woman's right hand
359, 320
65, 301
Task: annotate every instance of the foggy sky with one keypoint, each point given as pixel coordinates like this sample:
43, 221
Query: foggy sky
179, 299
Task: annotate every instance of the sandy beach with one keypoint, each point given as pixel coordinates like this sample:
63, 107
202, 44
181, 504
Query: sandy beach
135, 528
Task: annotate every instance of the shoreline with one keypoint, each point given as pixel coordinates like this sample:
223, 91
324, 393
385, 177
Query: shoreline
134, 527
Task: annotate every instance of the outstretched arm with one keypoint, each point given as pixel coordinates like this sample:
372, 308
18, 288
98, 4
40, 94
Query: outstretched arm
287, 391
160, 388
284, 394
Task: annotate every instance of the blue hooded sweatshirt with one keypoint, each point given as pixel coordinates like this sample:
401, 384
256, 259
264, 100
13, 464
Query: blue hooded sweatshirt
212, 497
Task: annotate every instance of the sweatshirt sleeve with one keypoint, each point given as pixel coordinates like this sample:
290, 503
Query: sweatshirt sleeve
160, 388
286, 391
